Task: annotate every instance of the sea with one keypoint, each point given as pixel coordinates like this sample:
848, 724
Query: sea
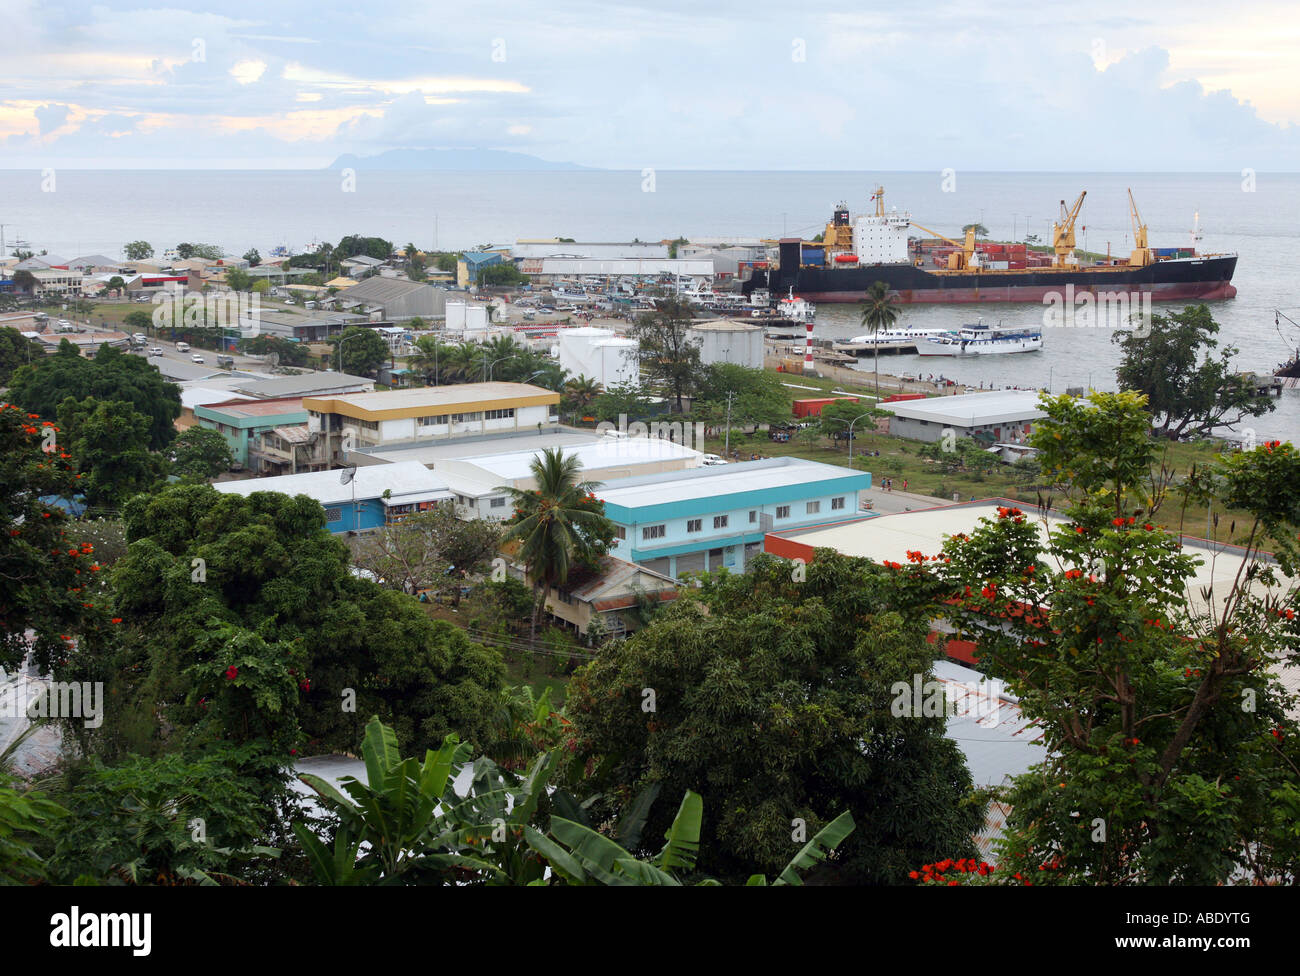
77, 212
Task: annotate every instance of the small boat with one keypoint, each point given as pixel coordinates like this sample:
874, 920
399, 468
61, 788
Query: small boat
982, 340
796, 309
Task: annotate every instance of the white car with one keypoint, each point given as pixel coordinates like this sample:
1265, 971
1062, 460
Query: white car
711, 459
156, 351
140, 337
196, 358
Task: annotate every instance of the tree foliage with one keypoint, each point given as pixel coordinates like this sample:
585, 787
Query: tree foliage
1188, 380
771, 697
111, 376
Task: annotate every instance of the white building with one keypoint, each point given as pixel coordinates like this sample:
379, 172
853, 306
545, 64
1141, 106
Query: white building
1002, 415
601, 355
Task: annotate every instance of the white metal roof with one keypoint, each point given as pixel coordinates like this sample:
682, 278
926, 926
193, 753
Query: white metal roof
603, 453
406, 480
718, 480
971, 409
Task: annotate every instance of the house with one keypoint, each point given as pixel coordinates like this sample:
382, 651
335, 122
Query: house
611, 596
288, 450
374, 497
197, 396
358, 265
713, 517
460, 410
999, 415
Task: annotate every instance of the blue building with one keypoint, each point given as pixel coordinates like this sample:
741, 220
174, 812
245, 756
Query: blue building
377, 496
713, 517
471, 263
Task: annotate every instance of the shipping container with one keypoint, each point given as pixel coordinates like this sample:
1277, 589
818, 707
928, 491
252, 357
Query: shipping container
815, 256
813, 408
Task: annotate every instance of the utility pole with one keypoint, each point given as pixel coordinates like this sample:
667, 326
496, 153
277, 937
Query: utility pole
727, 450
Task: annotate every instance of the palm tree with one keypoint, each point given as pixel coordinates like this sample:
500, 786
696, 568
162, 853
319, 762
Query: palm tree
462, 362
428, 354
581, 392
551, 522
880, 312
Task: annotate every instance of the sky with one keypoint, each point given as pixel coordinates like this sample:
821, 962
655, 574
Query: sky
1006, 85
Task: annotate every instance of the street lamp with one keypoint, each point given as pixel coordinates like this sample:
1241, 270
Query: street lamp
487, 369
342, 340
851, 423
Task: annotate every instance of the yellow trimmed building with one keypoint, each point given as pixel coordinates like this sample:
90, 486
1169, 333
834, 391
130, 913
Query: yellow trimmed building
430, 413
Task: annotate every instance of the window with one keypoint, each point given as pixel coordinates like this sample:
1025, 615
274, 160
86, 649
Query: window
506, 414
812, 508
497, 501
436, 420
333, 515
719, 521
837, 503
653, 532
783, 511
620, 532
753, 516
465, 418
694, 525
363, 424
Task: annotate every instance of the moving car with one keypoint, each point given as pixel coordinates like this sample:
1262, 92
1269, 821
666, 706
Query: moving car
196, 358
712, 459
155, 351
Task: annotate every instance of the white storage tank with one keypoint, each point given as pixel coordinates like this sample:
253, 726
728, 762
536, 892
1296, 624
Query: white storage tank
456, 316
729, 341
577, 353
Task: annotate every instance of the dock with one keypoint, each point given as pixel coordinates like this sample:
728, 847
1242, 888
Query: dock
859, 349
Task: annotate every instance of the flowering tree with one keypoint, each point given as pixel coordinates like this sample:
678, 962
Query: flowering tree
1170, 755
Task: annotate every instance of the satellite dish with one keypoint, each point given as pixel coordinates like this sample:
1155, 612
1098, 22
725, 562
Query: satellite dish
347, 474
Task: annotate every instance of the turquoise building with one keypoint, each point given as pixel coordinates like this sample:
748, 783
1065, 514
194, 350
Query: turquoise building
712, 517
240, 422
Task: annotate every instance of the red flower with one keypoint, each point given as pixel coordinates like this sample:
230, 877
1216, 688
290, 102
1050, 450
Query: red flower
117, 620
232, 673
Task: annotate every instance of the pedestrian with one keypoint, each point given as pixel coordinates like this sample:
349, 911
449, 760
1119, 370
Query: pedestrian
904, 484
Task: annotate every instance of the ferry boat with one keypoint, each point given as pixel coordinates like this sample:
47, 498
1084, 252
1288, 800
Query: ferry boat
982, 340
887, 337
796, 309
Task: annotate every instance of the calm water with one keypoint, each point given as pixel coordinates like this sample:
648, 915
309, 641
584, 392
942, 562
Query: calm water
98, 211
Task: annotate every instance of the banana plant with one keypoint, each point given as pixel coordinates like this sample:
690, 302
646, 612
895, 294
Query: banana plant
408, 825
580, 855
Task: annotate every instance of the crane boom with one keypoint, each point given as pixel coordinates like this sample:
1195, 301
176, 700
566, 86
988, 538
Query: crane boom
1063, 231
955, 262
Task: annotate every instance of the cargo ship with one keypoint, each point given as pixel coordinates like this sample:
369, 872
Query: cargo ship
857, 251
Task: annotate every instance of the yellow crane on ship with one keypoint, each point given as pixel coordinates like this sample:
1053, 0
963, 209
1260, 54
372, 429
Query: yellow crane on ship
1063, 232
1141, 255
956, 262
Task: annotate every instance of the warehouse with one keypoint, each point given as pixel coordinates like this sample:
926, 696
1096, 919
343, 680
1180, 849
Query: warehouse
394, 298
1000, 416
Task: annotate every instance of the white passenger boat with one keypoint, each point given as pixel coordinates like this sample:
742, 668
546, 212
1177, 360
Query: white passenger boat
982, 340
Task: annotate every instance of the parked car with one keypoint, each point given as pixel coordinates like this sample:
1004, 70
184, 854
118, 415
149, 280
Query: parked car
140, 337
711, 459
156, 351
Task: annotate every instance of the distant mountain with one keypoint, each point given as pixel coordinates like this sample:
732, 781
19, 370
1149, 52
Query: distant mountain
449, 159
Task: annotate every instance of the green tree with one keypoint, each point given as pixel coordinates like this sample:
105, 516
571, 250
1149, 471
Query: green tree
138, 251
48, 577
504, 274
185, 251
16, 351
212, 581
1190, 389
836, 418
980, 230
430, 550
27, 818
139, 321
117, 284
24, 282
558, 525
622, 400
1171, 757
364, 350
200, 454
252, 257
357, 245
580, 392
773, 700
880, 311
111, 375
238, 280
110, 442
668, 354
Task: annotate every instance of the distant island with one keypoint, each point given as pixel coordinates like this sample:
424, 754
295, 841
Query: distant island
450, 159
